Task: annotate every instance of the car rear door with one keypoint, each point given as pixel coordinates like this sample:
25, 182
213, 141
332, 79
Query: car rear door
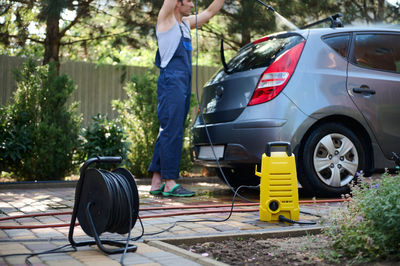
374, 84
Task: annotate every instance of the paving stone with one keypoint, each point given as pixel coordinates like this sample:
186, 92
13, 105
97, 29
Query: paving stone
15, 233
160, 255
46, 233
9, 210
179, 262
3, 262
132, 258
3, 235
143, 248
40, 246
205, 230
4, 205
20, 260
223, 228
11, 248
49, 220
191, 225
70, 262
146, 264
158, 221
56, 256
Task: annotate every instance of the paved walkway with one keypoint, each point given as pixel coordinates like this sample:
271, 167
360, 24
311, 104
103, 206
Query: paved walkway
30, 199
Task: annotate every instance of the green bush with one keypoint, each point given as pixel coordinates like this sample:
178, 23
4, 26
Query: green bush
368, 229
139, 117
104, 137
39, 132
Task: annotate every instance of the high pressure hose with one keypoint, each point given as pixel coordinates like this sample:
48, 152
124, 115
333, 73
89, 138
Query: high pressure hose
168, 214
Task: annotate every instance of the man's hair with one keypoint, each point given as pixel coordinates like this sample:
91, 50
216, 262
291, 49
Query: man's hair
181, 1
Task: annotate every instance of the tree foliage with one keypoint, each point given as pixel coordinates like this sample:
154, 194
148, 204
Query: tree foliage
54, 27
109, 31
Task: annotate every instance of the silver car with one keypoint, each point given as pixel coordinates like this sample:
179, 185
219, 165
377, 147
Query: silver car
332, 93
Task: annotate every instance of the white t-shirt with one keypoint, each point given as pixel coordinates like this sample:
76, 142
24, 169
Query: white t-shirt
168, 41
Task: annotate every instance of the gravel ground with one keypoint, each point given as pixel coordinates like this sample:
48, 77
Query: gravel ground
306, 250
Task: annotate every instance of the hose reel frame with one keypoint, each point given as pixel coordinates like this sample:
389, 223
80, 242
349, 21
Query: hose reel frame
96, 193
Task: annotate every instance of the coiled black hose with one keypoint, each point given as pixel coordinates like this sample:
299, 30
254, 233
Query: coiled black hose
114, 201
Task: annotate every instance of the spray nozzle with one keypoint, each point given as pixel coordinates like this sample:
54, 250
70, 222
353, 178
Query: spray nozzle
267, 6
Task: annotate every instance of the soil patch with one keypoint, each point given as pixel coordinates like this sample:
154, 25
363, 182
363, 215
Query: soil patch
305, 250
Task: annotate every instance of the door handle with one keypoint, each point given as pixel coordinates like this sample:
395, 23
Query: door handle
364, 90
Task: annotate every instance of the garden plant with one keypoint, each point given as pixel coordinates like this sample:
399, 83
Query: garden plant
368, 229
39, 131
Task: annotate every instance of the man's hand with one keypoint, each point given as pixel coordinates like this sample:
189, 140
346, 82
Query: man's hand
206, 15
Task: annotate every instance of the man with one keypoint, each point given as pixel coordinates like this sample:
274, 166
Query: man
174, 58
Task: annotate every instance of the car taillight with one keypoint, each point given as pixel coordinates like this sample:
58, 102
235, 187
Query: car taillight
277, 75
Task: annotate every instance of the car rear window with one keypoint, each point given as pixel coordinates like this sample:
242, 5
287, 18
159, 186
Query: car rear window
262, 54
378, 51
339, 43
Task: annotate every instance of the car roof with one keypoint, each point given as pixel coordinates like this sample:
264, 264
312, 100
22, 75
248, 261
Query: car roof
382, 28
325, 31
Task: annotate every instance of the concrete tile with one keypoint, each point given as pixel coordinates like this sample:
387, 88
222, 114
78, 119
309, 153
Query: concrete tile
46, 233
53, 257
11, 248
208, 230
3, 235
9, 210
70, 262
132, 258
19, 260
146, 264
160, 256
144, 248
179, 262
15, 233
39, 246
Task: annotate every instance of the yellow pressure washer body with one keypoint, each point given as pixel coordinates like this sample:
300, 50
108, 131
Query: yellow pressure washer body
278, 187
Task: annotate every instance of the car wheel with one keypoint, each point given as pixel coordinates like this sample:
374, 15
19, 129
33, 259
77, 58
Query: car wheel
330, 158
240, 175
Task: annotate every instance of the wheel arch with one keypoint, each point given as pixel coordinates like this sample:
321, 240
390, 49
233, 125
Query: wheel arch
352, 125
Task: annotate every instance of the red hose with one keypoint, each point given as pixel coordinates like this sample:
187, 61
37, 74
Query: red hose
142, 217
156, 215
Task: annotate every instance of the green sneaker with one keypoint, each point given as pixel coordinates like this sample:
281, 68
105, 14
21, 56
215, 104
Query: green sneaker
157, 191
178, 191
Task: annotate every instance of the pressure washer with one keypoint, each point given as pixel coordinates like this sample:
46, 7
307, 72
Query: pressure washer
279, 191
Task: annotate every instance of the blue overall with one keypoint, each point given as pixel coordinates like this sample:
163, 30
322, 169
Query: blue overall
173, 95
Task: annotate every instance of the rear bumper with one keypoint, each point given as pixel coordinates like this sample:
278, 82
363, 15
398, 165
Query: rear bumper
245, 138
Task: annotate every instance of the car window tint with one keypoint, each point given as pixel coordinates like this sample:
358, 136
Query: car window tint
261, 54
378, 51
339, 43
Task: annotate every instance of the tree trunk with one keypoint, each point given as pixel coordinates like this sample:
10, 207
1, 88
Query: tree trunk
381, 11
52, 41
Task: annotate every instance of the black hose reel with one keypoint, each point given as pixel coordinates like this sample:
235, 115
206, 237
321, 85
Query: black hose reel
105, 202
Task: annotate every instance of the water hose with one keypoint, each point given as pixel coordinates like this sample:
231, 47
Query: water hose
159, 215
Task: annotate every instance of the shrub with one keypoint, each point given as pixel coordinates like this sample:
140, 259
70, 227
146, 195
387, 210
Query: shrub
368, 229
39, 132
104, 137
139, 117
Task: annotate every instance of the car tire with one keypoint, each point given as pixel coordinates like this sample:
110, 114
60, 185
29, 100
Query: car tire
330, 159
240, 175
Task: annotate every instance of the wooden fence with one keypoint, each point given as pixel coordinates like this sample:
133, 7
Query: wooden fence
97, 85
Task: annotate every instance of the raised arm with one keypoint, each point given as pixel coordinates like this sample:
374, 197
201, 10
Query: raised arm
166, 17
206, 15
